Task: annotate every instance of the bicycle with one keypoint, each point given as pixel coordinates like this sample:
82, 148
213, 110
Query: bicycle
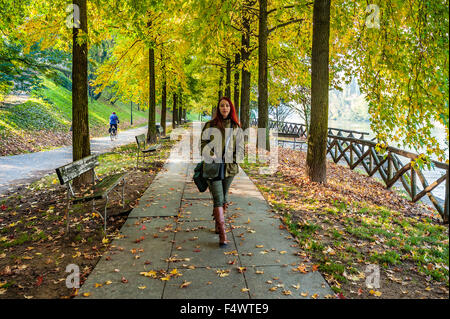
113, 133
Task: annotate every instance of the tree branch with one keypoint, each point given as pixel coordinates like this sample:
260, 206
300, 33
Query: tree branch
236, 28
275, 9
287, 7
284, 24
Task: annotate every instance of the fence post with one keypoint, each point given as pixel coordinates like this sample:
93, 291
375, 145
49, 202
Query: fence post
389, 168
351, 153
335, 150
446, 200
413, 183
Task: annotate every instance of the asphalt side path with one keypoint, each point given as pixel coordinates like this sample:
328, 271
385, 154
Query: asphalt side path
22, 169
167, 248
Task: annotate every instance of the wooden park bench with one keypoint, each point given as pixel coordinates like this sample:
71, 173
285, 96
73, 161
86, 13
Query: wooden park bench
295, 141
99, 189
142, 149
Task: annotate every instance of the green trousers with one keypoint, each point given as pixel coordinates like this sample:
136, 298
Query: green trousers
219, 190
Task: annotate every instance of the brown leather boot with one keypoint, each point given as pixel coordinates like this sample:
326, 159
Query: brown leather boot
225, 206
220, 226
215, 220
216, 224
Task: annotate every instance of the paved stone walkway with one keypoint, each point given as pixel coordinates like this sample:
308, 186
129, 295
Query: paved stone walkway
167, 249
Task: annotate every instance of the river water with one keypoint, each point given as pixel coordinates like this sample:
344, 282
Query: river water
430, 175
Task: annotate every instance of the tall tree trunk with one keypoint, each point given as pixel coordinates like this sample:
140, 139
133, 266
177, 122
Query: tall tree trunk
263, 106
213, 110
317, 141
221, 83
180, 109
163, 97
174, 111
81, 146
237, 60
246, 76
228, 79
151, 131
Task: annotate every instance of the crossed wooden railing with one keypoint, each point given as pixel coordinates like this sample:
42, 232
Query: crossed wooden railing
343, 144
391, 169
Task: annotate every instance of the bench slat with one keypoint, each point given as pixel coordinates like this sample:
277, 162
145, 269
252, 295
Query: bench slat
152, 148
70, 171
104, 187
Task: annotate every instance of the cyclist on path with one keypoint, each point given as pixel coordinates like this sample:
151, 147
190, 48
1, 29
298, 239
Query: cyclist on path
113, 121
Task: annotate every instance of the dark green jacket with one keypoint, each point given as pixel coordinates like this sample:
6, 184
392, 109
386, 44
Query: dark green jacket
210, 169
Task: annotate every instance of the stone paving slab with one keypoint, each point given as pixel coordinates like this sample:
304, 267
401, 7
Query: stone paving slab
119, 290
198, 242
278, 282
207, 284
145, 245
196, 210
191, 192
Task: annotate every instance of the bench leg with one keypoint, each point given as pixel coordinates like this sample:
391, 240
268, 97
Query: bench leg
67, 212
123, 193
137, 160
106, 205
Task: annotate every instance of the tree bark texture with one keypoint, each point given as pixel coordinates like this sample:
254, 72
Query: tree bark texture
318, 131
174, 111
237, 60
81, 146
263, 105
228, 79
180, 109
246, 76
151, 131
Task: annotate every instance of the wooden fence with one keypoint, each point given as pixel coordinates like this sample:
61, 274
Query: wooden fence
394, 165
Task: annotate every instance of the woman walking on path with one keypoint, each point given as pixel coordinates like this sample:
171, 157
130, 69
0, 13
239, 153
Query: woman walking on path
219, 155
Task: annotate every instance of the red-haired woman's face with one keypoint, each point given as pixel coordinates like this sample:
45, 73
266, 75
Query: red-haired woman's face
224, 108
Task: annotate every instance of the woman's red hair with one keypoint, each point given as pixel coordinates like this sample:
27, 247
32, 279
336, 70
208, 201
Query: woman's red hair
218, 118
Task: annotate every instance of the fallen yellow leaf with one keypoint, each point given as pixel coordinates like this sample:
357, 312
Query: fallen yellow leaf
185, 284
77, 254
375, 293
150, 273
